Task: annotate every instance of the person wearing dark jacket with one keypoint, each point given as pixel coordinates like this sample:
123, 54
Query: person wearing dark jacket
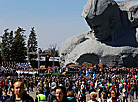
4, 97
19, 94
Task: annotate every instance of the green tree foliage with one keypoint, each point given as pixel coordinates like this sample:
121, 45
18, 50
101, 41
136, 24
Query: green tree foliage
32, 41
32, 45
6, 45
56, 53
18, 45
11, 45
48, 51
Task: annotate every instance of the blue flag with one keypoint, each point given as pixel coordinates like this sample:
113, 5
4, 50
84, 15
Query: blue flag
87, 72
75, 76
94, 75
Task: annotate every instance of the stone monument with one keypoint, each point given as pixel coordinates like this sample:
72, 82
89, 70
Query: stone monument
112, 39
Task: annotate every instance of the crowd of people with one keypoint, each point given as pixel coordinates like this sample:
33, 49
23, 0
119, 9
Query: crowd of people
104, 84
13, 65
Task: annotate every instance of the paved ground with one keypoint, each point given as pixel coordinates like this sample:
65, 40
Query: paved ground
87, 97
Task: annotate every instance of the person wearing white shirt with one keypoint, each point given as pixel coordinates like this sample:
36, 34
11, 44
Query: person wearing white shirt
125, 92
93, 96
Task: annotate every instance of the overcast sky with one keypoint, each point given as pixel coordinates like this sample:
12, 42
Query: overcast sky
54, 20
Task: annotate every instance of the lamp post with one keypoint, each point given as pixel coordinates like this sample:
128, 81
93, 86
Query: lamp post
53, 53
28, 55
38, 56
47, 56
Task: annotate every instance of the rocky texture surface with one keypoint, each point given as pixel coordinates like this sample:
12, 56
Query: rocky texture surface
119, 47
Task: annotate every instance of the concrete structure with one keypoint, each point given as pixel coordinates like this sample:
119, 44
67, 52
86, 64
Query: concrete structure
112, 39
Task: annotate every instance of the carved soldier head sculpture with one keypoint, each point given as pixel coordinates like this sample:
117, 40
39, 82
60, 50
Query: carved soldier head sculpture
112, 39
109, 23
101, 17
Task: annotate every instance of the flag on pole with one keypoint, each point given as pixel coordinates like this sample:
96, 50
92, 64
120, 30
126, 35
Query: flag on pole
87, 72
75, 76
94, 75
34, 75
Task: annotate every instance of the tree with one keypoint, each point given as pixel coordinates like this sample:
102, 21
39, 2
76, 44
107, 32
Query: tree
19, 48
32, 44
11, 45
51, 51
6, 45
56, 53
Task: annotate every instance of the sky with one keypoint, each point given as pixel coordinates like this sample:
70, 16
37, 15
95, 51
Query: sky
54, 20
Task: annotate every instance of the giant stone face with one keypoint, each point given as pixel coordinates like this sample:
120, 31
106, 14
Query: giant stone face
101, 27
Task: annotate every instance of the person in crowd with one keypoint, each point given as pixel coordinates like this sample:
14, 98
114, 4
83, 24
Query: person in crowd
20, 94
92, 89
70, 96
83, 85
5, 85
52, 96
103, 97
28, 85
114, 97
120, 87
93, 96
74, 88
125, 94
46, 90
32, 85
137, 90
4, 97
10, 87
0, 93
109, 95
60, 94
40, 97
36, 82
82, 95
132, 94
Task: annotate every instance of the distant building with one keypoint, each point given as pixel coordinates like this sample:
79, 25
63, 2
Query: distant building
34, 62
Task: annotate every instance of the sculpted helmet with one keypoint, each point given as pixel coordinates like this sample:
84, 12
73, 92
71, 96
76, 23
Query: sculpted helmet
97, 7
